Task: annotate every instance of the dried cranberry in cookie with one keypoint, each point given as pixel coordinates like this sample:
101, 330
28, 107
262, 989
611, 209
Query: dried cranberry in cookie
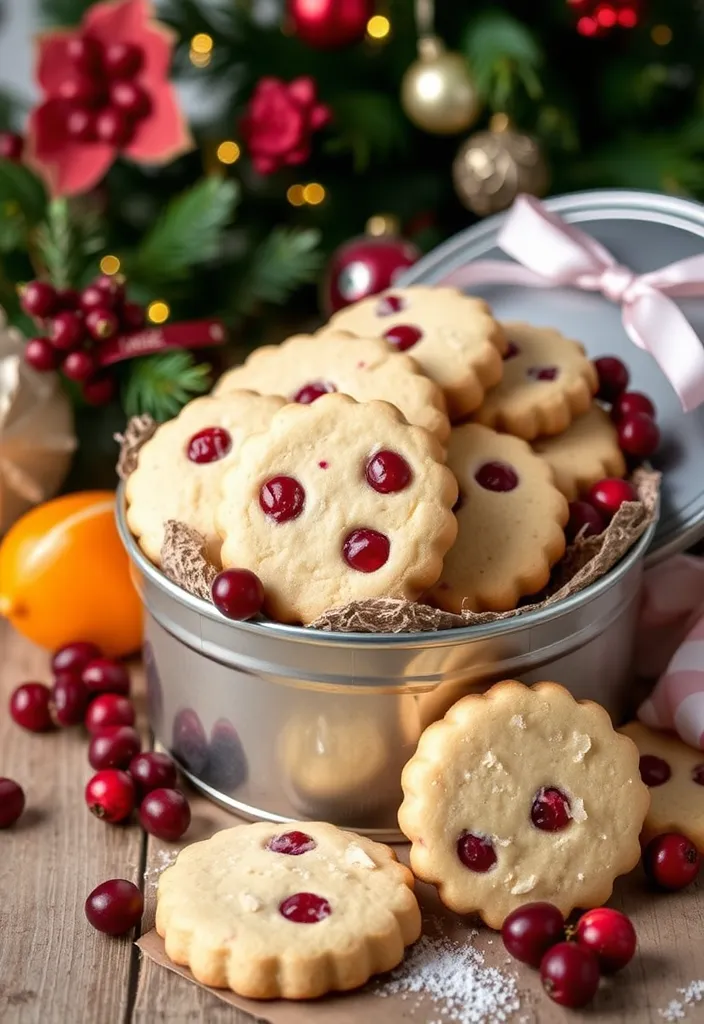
338, 501
583, 454
674, 773
522, 794
287, 913
453, 338
547, 383
511, 518
308, 366
180, 468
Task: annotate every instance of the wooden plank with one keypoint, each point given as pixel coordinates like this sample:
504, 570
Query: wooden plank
54, 968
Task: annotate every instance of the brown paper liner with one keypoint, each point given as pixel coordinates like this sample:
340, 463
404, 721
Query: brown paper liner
137, 432
183, 559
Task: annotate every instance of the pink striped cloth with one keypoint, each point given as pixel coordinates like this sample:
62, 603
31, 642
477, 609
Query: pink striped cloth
671, 642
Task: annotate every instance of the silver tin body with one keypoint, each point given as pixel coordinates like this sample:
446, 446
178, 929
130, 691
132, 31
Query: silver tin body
278, 722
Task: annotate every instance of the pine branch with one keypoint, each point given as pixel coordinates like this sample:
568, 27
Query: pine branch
66, 243
285, 260
504, 56
369, 124
161, 384
23, 190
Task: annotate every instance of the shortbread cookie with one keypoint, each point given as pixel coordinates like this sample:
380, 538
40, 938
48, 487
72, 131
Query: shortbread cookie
454, 338
287, 911
585, 453
511, 518
180, 468
523, 794
548, 381
308, 366
674, 773
338, 501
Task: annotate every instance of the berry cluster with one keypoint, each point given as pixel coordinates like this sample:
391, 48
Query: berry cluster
76, 323
632, 412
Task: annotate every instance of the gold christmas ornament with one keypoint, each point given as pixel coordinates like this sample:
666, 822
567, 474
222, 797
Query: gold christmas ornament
36, 431
437, 92
492, 167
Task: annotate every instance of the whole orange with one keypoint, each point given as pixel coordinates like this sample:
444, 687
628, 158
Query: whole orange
64, 576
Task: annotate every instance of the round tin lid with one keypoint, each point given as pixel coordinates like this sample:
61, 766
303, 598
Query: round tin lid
644, 231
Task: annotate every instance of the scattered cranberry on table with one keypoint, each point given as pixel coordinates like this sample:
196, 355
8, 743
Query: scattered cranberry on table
115, 907
671, 861
105, 676
109, 709
113, 747
610, 936
238, 593
74, 657
531, 930
570, 974
29, 707
613, 378
609, 494
110, 795
165, 813
69, 700
152, 770
11, 802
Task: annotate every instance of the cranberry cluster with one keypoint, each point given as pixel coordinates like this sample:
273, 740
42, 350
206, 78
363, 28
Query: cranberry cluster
102, 98
76, 324
632, 412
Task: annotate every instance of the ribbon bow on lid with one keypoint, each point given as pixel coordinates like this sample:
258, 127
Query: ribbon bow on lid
551, 253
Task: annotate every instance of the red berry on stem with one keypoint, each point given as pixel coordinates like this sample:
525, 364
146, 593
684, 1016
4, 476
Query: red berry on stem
584, 516
638, 435
41, 355
67, 331
608, 495
11, 147
69, 700
100, 389
132, 316
113, 747
110, 795
131, 99
11, 802
238, 593
79, 365
85, 53
92, 297
109, 709
69, 299
152, 770
570, 974
38, 299
112, 287
74, 657
115, 907
29, 707
631, 402
165, 813
123, 60
105, 676
610, 936
613, 378
114, 127
671, 861
531, 930
101, 323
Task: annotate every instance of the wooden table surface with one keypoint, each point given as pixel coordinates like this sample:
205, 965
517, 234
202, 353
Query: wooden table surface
55, 969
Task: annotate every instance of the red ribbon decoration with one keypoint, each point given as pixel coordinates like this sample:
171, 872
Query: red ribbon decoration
149, 340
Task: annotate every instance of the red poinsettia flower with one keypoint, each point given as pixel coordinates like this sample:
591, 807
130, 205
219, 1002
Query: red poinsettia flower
280, 120
106, 92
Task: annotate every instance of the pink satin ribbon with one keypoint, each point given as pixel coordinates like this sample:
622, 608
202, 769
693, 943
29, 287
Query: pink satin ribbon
551, 253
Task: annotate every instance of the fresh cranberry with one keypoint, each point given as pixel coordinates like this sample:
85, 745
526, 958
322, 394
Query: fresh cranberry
113, 747
671, 861
570, 974
305, 908
80, 124
69, 700
608, 495
531, 930
29, 707
165, 813
613, 378
69, 298
698, 774
585, 520
11, 802
366, 550
130, 98
11, 147
476, 852
67, 331
79, 365
38, 299
114, 127
653, 770
638, 435
132, 316
92, 297
99, 389
610, 936
543, 372
41, 355
74, 657
403, 336
123, 60
85, 53
112, 288
551, 810
110, 795
496, 476
389, 304
631, 402
282, 498
291, 843
309, 393
109, 709
237, 593
387, 472
209, 445
101, 324
115, 907
152, 770
189, 741
512, 350
105, 676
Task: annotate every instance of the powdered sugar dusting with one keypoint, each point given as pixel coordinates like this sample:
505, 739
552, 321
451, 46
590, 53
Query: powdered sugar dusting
677, 1009
453, 975
164, 860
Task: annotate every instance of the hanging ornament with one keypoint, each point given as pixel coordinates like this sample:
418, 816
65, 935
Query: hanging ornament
492, 167
329, 24
367, 264
599, 17
36, 431
437, 92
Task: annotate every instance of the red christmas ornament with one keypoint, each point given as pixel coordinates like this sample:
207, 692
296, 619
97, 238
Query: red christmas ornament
365, 266
328, 24
599, 17
280, 120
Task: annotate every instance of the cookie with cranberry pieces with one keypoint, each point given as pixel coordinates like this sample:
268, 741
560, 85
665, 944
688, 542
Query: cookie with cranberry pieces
523, 794
180, 468
336, 502
287, 911
588, 451
307, 366
548, 381
674, 773
454, 338
511, 519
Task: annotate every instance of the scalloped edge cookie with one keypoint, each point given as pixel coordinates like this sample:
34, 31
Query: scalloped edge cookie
588, 451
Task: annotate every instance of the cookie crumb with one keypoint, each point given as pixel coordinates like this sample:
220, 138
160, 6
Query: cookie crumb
577, 811
580, 876
250, 903
525, 886
355, 855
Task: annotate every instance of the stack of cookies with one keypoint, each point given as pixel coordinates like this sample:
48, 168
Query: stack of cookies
413, 448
